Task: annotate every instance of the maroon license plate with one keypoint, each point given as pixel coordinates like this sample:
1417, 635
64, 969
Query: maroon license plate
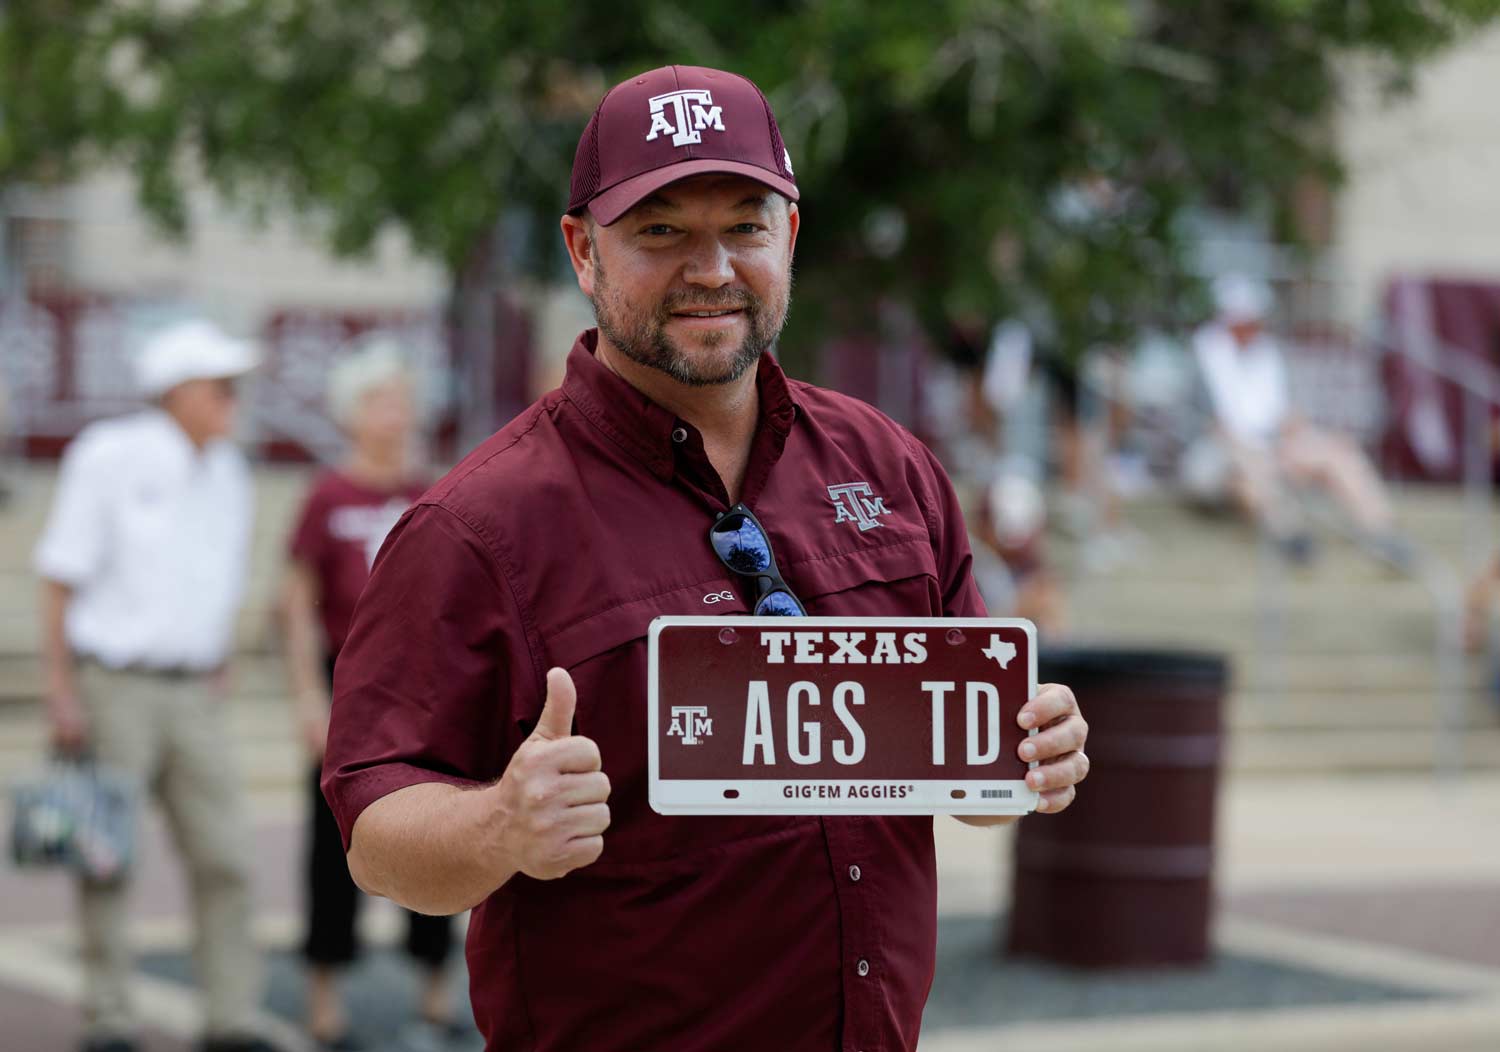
836, 715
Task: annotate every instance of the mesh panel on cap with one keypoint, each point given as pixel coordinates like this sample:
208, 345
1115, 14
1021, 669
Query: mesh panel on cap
586, 165
778, 148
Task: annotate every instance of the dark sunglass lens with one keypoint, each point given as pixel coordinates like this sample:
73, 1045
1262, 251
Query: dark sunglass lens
779, 604
741, 545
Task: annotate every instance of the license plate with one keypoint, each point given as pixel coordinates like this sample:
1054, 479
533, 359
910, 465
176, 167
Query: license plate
838, 715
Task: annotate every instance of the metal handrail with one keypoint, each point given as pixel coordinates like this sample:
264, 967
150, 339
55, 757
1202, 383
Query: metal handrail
1479, 383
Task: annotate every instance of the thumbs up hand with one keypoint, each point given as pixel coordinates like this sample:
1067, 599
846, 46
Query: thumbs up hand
556, 722
552, 797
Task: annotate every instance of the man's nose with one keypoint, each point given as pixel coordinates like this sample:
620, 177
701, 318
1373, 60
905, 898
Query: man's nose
709, 264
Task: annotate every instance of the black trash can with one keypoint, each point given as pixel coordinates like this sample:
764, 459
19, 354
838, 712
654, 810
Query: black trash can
1123, 877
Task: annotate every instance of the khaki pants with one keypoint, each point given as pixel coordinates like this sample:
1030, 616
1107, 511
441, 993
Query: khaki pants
170, 736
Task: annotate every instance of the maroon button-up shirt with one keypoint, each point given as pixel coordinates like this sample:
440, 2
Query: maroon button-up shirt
555, 543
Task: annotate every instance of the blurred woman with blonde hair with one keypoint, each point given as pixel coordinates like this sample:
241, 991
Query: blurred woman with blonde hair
346, 515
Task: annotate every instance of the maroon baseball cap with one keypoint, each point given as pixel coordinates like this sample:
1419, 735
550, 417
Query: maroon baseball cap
671, 123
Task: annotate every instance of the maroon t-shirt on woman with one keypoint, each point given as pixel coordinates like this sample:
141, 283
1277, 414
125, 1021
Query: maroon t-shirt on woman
555, 543
339, 530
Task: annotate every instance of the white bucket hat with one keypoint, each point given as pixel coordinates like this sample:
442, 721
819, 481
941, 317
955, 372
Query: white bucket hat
191, 350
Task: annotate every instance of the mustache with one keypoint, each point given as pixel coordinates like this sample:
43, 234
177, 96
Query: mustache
710, 299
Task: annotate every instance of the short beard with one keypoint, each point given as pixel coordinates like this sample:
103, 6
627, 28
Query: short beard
643, 338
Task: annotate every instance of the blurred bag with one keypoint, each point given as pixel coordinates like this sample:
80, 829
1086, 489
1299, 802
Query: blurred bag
75, 814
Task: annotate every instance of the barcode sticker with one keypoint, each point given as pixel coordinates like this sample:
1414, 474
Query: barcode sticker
996, 794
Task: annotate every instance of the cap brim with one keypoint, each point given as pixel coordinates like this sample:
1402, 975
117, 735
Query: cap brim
242, 358
230, 363
622, 197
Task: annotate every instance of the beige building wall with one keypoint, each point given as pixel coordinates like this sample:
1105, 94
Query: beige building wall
232, 267
1423, 187
238, 270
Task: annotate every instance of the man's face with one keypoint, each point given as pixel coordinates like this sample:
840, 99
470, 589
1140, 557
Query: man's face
204, 408
695, 280
1245, 330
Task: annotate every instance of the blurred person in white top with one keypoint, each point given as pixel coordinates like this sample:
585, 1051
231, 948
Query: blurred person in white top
143, 564
1267, 445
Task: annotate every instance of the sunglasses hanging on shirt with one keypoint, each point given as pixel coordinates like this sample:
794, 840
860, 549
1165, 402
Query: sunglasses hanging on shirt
741, 543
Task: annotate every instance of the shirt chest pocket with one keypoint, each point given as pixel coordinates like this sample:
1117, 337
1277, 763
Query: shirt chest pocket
894, 580
146, 513
606, 655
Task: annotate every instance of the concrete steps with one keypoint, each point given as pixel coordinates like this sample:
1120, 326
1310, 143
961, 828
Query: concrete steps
1347, 751
1336, 665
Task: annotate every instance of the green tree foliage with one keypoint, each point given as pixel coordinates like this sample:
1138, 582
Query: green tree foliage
969, 157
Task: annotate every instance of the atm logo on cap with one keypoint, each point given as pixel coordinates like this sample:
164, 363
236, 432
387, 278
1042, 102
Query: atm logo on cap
685, 114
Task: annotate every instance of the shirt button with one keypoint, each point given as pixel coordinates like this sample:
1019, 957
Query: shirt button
679, 435
854, 873
863, 967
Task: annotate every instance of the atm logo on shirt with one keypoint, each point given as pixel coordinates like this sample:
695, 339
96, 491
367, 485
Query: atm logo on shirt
853, 502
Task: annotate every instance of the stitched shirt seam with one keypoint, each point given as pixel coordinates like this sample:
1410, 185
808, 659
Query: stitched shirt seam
499, 554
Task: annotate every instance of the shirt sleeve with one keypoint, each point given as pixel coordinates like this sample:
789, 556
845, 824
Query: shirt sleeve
950, 537
424, 686
72, 547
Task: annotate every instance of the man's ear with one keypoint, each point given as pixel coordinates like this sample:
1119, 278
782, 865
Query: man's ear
577, 231
794, 222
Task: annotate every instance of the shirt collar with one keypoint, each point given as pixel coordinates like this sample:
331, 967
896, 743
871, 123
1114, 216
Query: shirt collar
643, 428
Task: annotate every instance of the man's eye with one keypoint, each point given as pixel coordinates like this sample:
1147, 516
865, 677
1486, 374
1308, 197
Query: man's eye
657, 229
748, 228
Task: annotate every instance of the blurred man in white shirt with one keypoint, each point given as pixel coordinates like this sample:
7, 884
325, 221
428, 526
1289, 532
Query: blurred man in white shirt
1268, 445
143, 563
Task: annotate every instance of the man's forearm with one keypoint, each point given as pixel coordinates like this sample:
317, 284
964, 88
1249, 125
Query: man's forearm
57, 656
433, 848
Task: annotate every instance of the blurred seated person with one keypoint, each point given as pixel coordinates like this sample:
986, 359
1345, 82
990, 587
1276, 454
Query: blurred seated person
1264, 448
1010, 557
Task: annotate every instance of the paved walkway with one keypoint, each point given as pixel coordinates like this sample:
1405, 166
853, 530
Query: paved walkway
1355, 913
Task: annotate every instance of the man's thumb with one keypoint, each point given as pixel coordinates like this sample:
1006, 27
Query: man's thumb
557, 714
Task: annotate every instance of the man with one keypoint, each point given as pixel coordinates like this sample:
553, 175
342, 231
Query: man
1267, 444
143, 566
487, 746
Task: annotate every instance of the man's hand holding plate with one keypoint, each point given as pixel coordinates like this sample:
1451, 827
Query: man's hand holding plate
1057, 747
